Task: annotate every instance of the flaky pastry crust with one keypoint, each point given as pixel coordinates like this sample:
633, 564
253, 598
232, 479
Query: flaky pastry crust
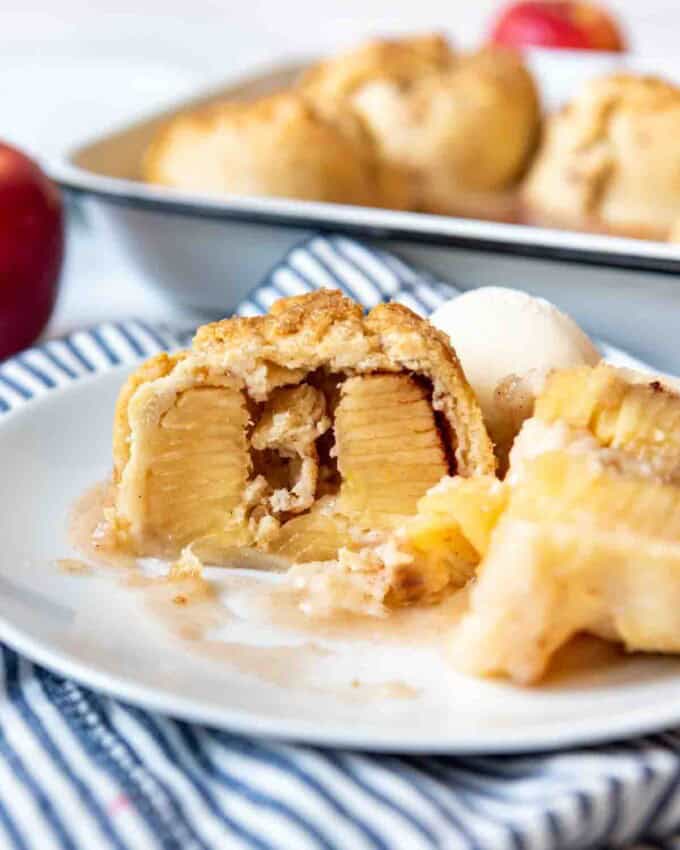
610, 160
277, 146
463, 125
401, 60
156, 367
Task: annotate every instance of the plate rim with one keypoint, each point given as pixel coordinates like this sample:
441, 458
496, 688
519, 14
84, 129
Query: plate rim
639, 722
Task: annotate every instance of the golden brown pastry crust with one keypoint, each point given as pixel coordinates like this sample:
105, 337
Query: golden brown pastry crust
610, 160
403, 123
401, 60
462, 125
279, 146
156, 367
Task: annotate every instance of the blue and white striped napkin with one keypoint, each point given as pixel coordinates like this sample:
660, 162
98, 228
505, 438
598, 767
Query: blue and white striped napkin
79, 771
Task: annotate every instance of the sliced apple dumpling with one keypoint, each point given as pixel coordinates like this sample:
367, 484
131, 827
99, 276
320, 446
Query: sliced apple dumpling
301, 432
584, 533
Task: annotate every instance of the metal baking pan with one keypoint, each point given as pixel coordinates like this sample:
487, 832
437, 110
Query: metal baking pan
208, 252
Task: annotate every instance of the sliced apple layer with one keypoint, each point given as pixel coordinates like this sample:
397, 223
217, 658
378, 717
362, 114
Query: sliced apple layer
188, 468
198, 463
389, 448
639, 418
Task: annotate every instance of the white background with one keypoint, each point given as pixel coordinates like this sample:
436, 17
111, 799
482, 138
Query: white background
45, 43
252, 28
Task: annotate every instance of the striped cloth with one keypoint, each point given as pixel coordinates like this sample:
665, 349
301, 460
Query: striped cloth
79, 771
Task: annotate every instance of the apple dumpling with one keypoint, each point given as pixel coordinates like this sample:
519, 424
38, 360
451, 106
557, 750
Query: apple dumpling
298, 432
610, 160
463, 125
277, 146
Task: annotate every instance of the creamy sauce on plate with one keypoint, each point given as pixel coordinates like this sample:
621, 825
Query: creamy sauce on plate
212, 612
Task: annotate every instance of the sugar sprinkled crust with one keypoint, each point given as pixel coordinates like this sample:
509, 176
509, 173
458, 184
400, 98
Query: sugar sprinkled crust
402, 59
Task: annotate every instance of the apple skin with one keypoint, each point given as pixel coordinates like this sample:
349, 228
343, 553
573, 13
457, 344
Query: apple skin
557, 23
31, 249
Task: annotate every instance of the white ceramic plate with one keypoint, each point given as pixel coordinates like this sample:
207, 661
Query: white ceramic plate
360, 693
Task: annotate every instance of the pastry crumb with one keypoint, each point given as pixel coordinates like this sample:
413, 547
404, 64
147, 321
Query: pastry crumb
74, 566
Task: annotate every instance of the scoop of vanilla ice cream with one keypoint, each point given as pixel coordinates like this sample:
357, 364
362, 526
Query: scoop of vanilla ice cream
499, 332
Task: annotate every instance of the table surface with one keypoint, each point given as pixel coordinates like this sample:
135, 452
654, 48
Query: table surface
74, 73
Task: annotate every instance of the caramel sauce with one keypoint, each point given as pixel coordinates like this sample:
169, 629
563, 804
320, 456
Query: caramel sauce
298, 667
195, 608
89, 533
73, 566
188, 608
583, 654
279, 606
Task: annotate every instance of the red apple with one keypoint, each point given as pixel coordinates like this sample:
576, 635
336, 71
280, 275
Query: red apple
31, 249
557, 23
